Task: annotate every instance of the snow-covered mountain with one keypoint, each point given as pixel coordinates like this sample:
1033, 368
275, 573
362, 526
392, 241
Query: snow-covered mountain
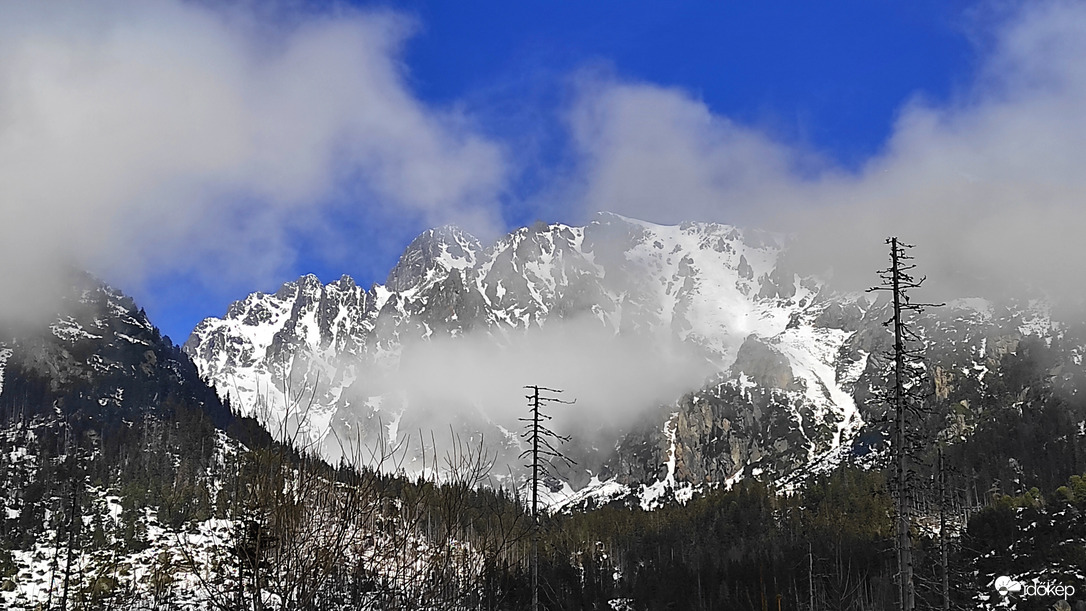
697, 355
116, 459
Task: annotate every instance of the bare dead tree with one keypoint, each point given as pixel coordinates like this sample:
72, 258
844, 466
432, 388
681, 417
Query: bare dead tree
905, 397
542, 449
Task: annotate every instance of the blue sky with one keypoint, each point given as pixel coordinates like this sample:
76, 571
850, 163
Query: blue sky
830, 75
192, 153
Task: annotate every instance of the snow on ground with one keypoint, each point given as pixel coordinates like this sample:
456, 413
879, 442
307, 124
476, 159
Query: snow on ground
41, 569
190, 567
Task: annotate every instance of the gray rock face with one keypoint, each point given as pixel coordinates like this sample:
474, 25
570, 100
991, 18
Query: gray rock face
764, 365
745, 270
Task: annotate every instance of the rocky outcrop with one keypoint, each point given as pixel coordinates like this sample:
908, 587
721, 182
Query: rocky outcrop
764, 365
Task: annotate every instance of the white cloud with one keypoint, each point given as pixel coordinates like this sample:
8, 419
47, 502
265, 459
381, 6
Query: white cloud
610, 376
150, 134
991, 186
657, 154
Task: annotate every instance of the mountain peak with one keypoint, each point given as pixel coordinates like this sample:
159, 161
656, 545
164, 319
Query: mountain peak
435, 252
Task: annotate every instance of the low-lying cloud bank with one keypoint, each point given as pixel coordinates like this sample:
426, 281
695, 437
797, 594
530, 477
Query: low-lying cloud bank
610, 377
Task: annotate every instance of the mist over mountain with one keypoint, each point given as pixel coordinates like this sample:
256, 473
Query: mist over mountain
696, 354
702, 368
328, 445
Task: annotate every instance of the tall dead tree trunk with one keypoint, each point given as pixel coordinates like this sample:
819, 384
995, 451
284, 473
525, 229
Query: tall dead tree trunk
541, 453
535, 497
903, 541
944, 556
905, 398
